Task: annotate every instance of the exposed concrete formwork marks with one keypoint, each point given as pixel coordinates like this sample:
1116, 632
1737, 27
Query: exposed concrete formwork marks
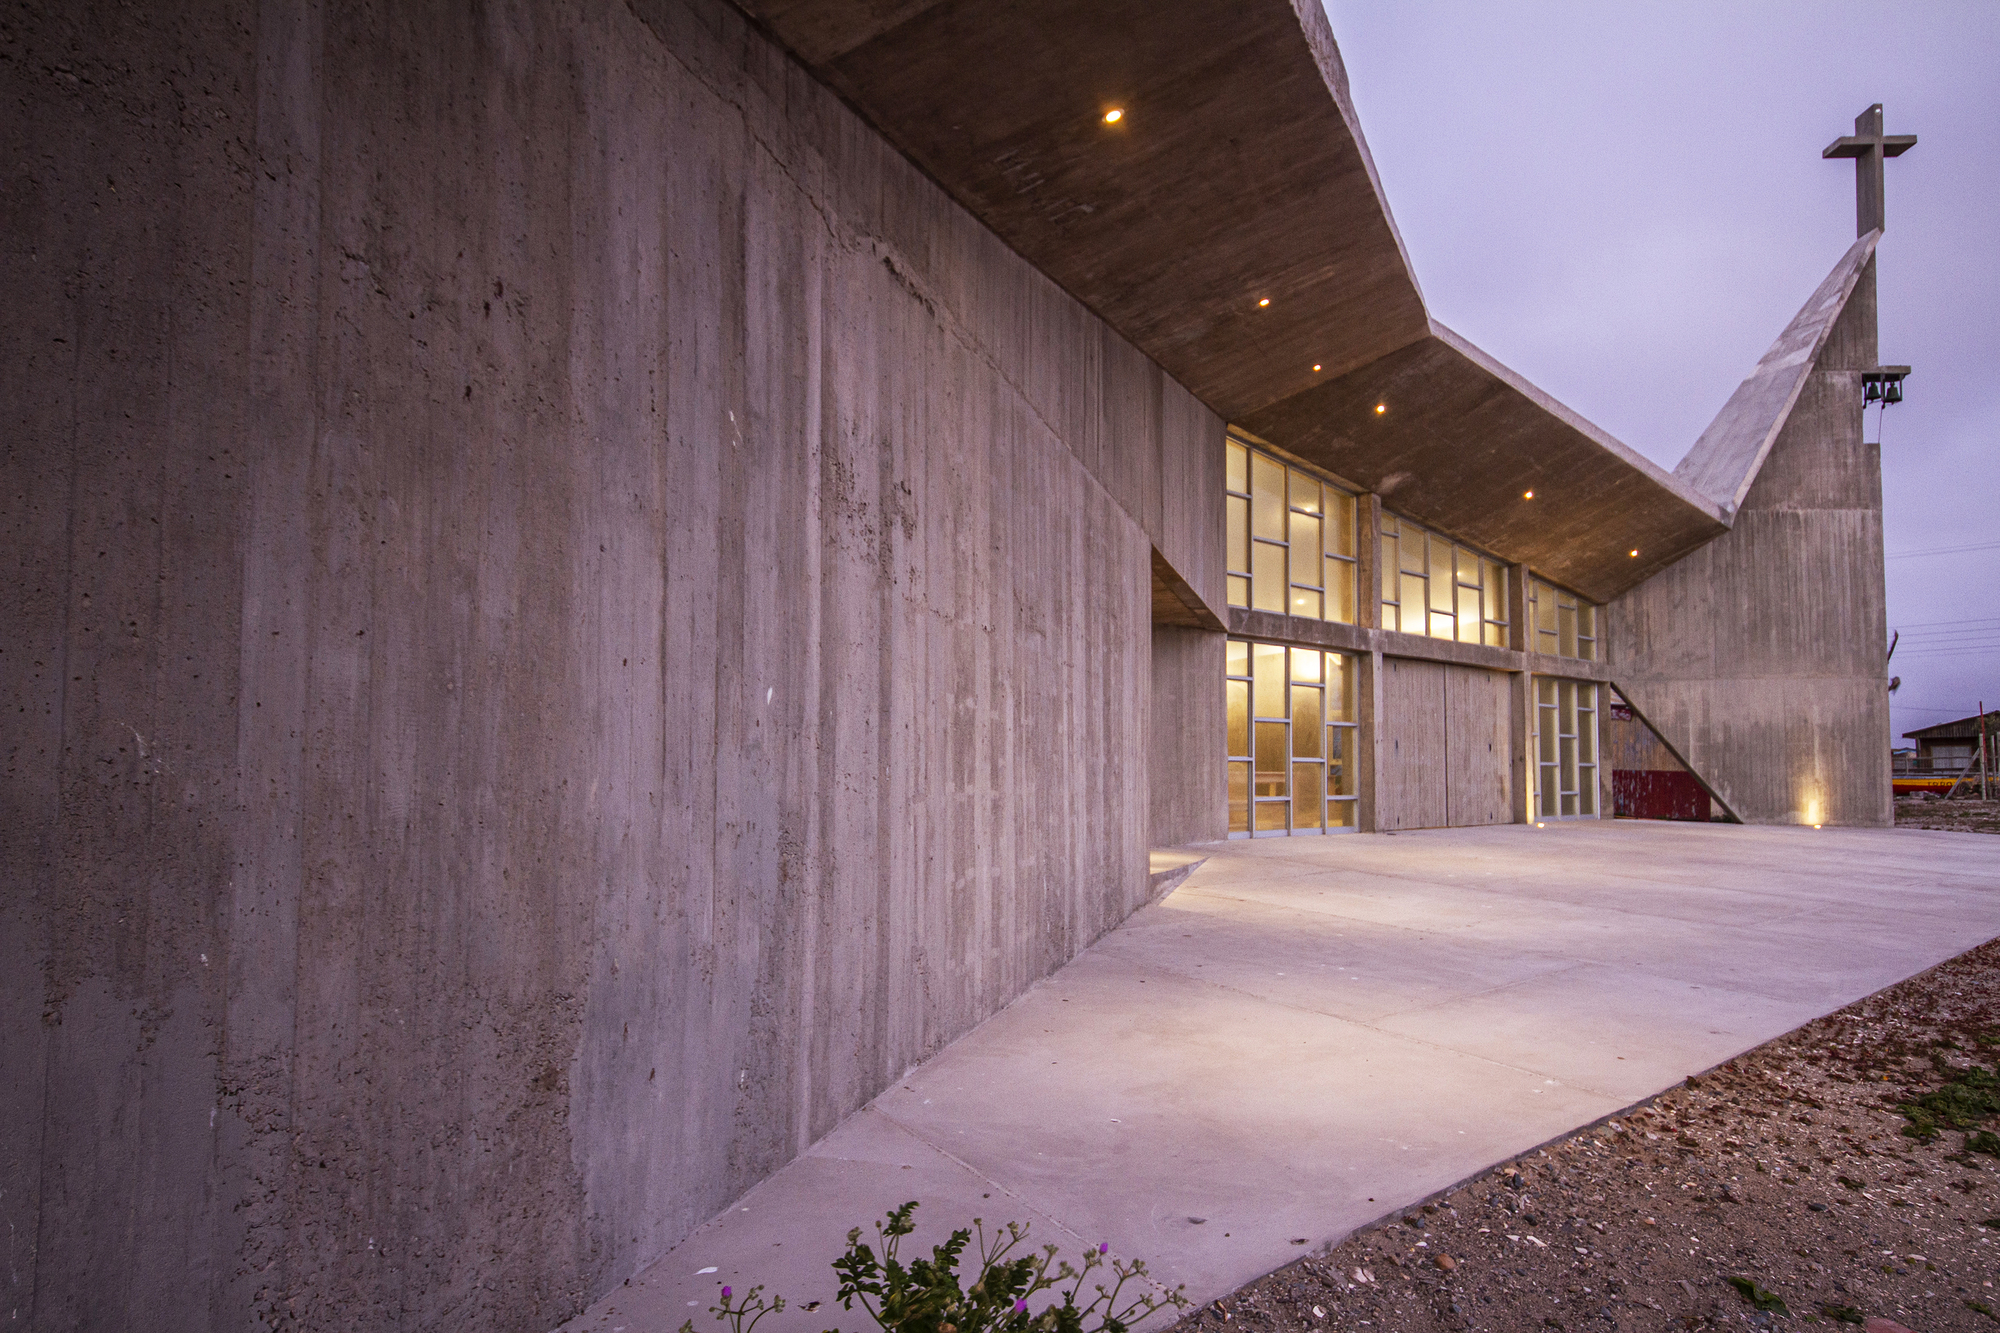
575, 616
1761, 657
1187, 740
1296, 317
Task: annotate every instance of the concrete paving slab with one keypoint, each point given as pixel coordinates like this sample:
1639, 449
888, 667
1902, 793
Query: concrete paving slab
1270, 1122
1311, 959
1307, 1034
1614, 1039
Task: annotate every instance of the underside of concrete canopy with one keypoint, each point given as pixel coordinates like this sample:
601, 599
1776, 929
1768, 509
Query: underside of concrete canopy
1448, 435
1234, 175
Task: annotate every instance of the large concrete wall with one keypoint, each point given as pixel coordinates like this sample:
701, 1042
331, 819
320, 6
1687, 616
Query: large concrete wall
1187, 740
1761, 657
570, 616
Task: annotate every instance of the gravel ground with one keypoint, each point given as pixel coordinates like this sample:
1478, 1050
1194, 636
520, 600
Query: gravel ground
1960, 816
1781, 1188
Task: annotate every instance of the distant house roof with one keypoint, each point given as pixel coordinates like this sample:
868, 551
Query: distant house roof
1966, 728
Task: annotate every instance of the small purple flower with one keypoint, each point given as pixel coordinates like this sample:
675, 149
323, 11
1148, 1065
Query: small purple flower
1104, 1248
725, 1293
1020, 1307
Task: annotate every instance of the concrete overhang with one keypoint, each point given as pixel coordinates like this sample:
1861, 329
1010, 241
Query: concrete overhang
1237, 174
1458, 442
1234, 175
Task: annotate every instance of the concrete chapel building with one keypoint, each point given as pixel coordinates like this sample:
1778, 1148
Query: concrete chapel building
590, 581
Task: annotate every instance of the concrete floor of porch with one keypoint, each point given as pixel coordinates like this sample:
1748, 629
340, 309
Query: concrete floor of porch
1307, 1034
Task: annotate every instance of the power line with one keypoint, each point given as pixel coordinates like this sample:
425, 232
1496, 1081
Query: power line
1943, 550
1933, 624
1956, 640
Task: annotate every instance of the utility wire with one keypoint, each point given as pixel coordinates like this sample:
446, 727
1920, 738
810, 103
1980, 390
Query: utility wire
1943, 550
1969, 620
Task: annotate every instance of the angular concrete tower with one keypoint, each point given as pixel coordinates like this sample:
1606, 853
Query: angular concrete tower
1760, 659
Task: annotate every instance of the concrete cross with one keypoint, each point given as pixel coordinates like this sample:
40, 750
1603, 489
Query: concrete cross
1868, 146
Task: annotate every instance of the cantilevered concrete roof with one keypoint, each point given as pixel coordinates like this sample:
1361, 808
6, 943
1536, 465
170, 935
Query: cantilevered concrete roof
1237, 174
1459, 441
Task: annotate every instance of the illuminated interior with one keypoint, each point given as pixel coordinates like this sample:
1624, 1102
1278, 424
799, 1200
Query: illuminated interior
1291, 740
1565, 625
1291, 538
1434, 586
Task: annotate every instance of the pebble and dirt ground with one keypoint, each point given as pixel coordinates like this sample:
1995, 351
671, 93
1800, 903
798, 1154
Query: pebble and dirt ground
1845, 1173
1959, 816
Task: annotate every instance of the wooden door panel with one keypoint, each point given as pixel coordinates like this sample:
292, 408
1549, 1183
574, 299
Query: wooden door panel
1477, 782
1411, 789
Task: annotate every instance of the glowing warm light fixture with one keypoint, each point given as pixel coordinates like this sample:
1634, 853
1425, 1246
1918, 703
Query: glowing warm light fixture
1527, 495
1114, 115
1380, 408
1635, 552
1263, 301
1315, 367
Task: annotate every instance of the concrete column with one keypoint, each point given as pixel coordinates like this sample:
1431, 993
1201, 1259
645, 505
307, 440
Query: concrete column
1603, 770
1368, 757
1368, 550
1521, 698
1368, 687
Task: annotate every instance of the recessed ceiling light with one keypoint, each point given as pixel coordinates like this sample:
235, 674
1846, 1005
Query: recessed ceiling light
1114, 115
1315, 367
1380, 408
1635, 552
1263, 301
1527, 495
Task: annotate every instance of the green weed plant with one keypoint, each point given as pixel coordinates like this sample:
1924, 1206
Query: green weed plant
1961, 1103
928, 1295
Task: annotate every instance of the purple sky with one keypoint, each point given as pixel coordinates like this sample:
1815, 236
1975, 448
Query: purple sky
1626, 204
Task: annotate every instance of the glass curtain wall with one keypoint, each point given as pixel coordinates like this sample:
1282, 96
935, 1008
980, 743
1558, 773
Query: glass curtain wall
1565, 624
1291, 538
1565, 748
1437, 587
1291, 740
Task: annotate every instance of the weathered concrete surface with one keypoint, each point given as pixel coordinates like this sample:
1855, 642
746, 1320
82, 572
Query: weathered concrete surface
571, 616
1238, 173
1313, 1032
1762, 658
1187, 743
1725, 460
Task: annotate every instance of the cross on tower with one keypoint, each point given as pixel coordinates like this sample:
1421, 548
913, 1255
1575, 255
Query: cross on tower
1868, 146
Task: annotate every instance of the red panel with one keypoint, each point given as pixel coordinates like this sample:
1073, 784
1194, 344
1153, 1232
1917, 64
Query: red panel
1637, 794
